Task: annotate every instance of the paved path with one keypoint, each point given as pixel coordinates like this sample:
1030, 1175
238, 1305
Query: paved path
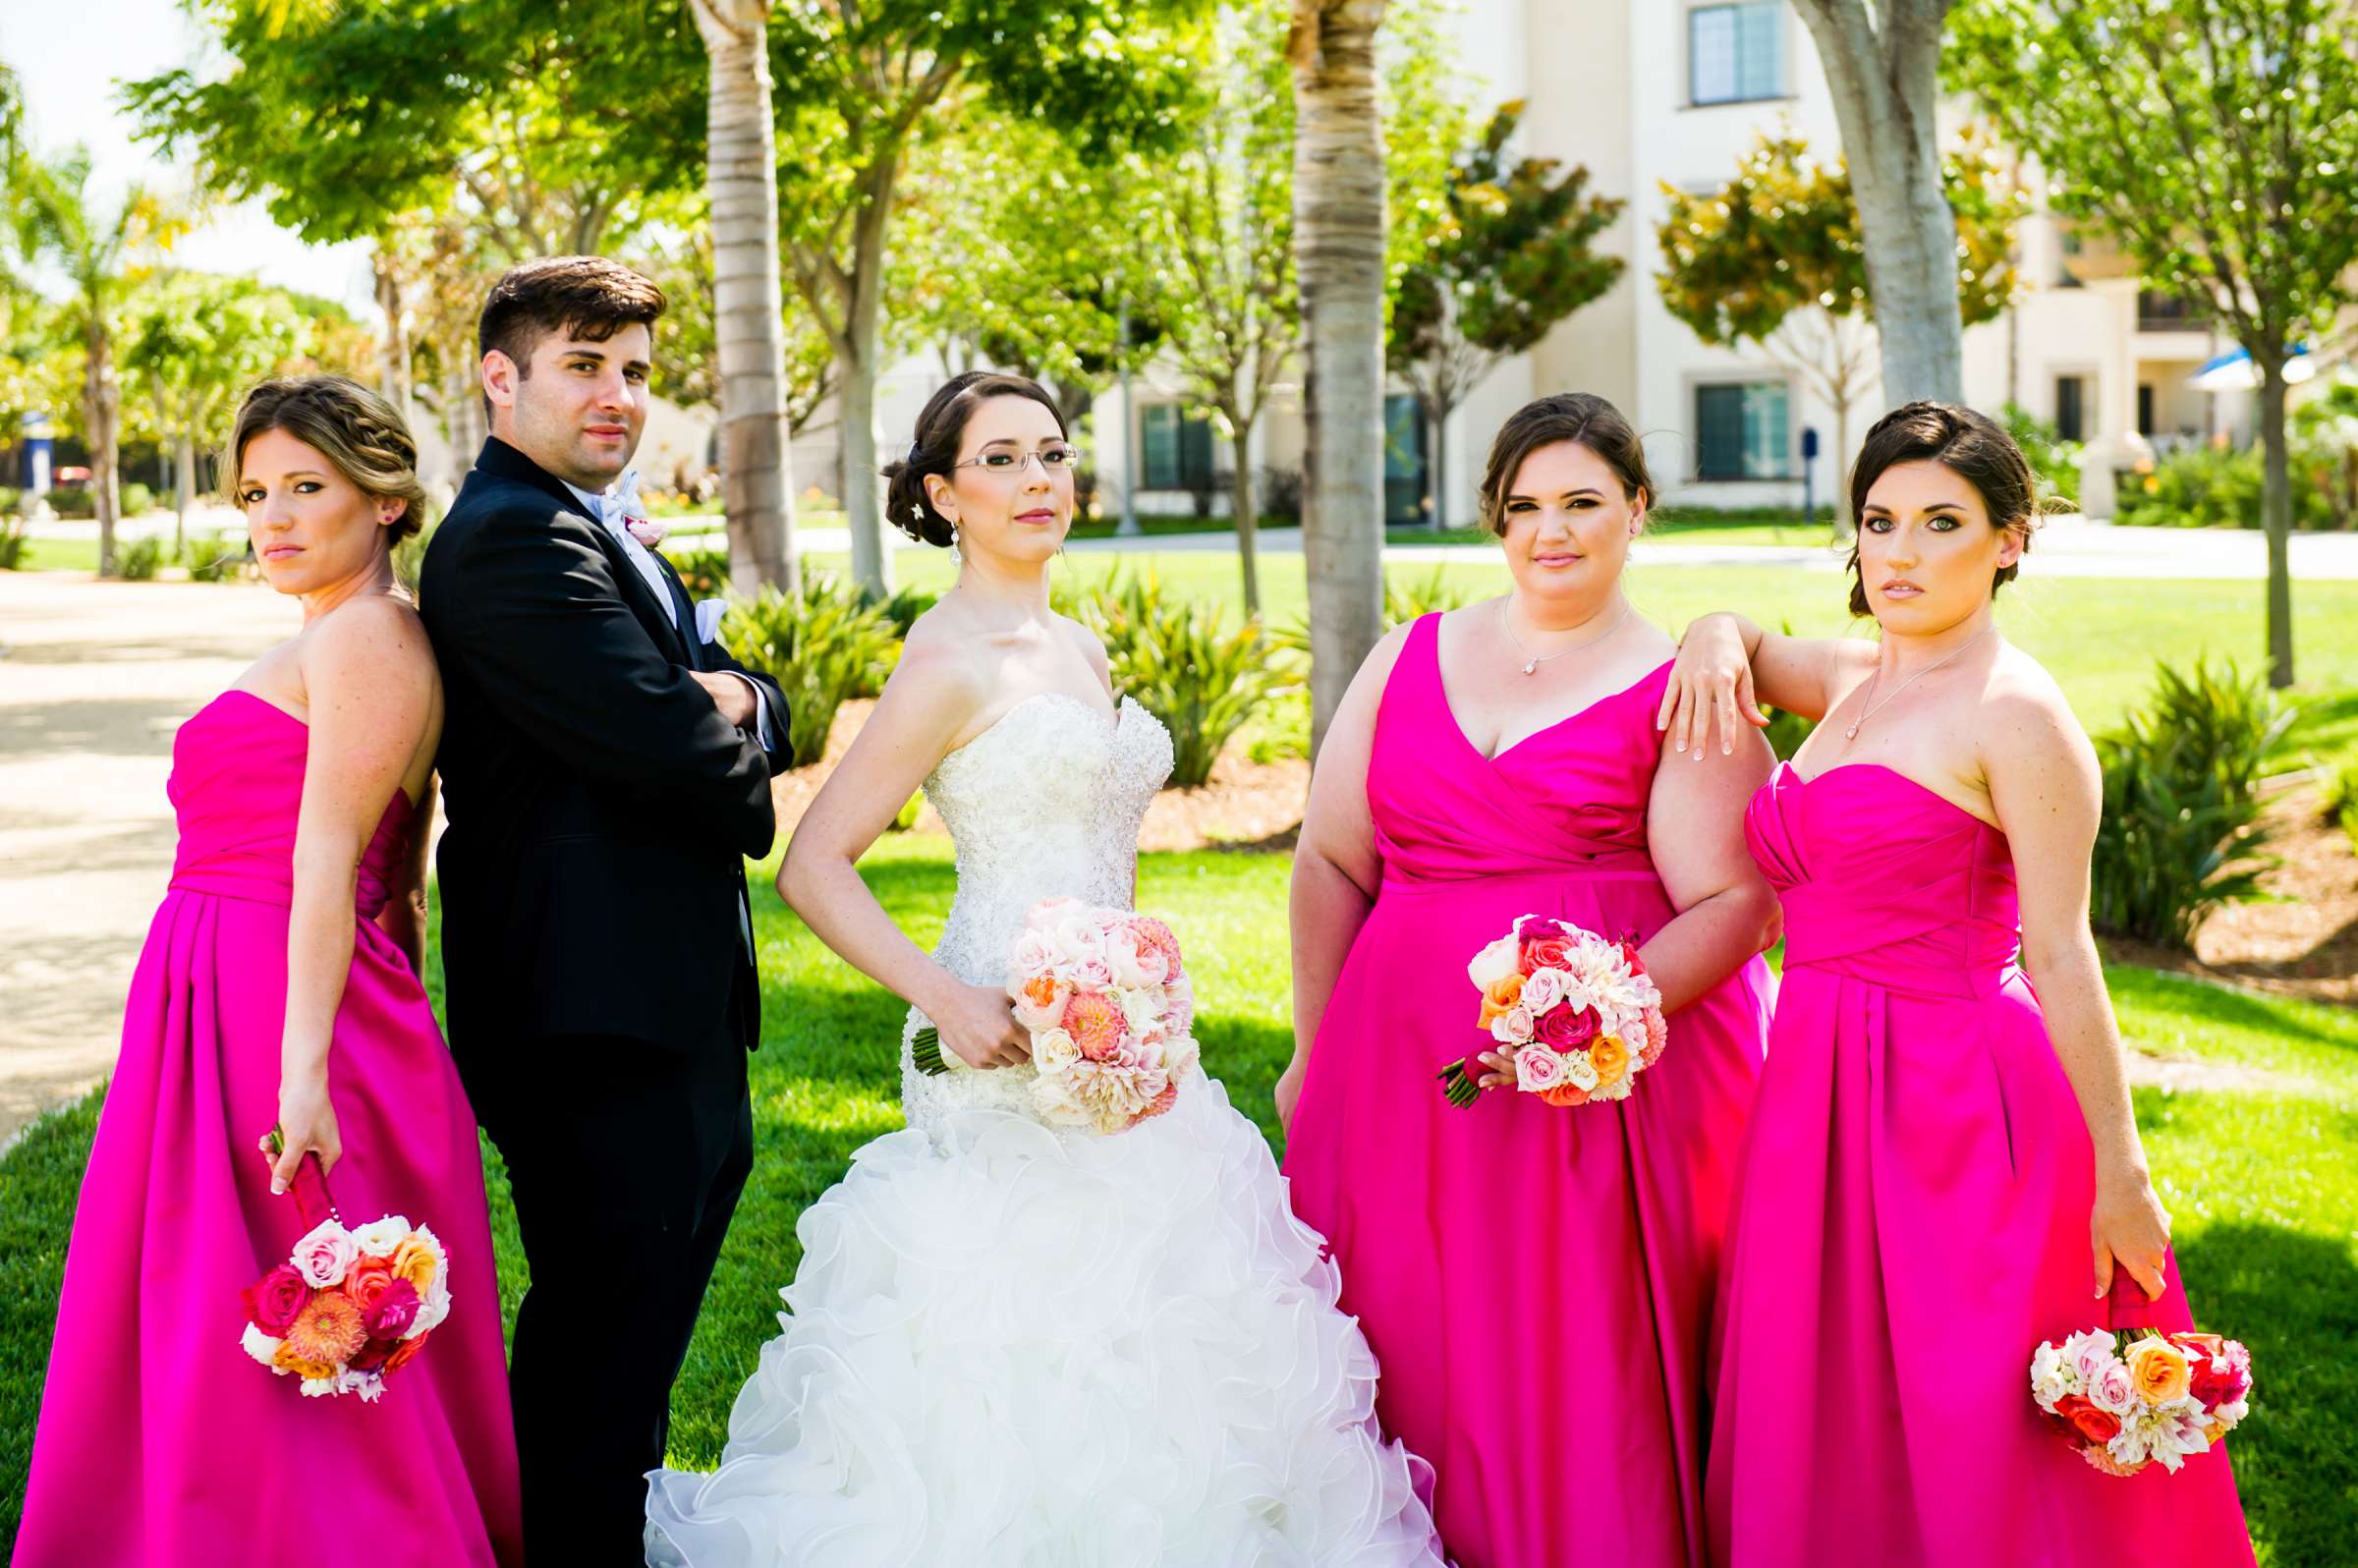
95, 678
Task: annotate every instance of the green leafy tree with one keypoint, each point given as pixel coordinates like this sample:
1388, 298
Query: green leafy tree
194, 343
1508, 260
861, 88
1778, 257
1217, 220
2218, 142
102, 251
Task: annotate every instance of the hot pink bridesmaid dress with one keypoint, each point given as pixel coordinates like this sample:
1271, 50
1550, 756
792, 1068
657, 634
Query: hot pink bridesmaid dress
1912, 1221
161, 1443
1536, 1281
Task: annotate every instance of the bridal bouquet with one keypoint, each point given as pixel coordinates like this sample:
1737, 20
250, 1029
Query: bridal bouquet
2143, 1397
1109, 1008
1574, 1012
349, 1308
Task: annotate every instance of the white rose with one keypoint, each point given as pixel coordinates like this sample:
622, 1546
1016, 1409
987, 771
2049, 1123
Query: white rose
1053, 1050
1138, 1010
1122, 958
1495, 963
2048, 1377
1181, 1054
379, 1237
1035, 954
1079, 942
319, 1388
1578, 1071
260, 1346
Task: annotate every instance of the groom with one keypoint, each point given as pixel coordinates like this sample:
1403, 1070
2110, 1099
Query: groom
605, 770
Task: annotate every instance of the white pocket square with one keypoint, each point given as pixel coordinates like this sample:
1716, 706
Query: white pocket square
707, 619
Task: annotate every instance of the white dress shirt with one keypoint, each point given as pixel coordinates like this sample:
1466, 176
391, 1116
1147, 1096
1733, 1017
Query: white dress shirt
644, 560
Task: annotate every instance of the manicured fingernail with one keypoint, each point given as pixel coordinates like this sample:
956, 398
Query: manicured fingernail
277, 1185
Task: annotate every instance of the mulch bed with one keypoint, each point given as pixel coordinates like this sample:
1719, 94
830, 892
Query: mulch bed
2304, 940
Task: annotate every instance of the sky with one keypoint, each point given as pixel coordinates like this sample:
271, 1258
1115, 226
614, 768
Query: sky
71, 53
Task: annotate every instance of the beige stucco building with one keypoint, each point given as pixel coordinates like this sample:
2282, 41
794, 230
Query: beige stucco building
1651, 91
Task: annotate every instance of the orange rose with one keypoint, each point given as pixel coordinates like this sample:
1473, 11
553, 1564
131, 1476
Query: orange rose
1609, 1057
285, 1358
2159, 1371
418, 1260
1498, 996
404, 1351
1564, 1094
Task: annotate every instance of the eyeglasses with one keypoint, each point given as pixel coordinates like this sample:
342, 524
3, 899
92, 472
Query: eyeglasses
1057, 457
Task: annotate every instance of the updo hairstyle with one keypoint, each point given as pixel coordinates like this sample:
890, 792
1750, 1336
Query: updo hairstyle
1581, 418
940, 427
1974, 447
350, 427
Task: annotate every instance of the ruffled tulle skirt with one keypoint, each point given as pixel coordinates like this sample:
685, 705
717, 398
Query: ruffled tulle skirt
1011, 1346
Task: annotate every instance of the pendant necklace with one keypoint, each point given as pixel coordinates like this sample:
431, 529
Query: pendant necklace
1531, 663
1852, 733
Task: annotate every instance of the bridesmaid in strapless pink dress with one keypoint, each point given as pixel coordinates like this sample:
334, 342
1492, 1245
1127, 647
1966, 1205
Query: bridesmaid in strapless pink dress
160, 1442
1913, 1221
1536, 1281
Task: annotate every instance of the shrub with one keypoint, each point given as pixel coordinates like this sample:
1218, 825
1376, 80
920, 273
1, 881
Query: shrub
703, 573
1786, 731
1403, 602
136, 500
15, 536
213, 558
822, 647
2054, 461
904, 607
2181, 831
1282, 494
2205, 486
1183, 665
2341, 800
11, 501
137, 560
74, 503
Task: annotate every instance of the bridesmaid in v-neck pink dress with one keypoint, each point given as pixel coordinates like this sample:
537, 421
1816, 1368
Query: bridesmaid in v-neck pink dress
1536, 1281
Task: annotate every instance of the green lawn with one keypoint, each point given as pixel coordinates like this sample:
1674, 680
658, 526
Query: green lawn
2264, 1186
2100, 637
62, 555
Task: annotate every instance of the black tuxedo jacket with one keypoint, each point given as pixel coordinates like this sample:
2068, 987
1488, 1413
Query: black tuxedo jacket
599, 807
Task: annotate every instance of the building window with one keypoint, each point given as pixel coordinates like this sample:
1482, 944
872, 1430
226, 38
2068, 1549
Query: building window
1404, 498
1744, 431
2145, 408
1734, 54
2071, 407
1174, 448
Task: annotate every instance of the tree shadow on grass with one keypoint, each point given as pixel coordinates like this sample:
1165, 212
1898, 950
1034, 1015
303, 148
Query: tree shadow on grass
2217, 1002
2292, 1297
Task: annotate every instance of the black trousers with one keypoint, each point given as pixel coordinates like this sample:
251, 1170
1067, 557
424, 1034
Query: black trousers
626, 1160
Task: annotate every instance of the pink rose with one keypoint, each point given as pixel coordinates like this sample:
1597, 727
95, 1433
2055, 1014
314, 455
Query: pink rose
1090, 975
321, 1257
1538, 1070
647, 530
2113, 1389
1547, 952
273, 1299
1179, 996
1567, 1028
395, 1310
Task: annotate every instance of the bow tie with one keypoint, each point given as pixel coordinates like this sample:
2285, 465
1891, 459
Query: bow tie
624, 509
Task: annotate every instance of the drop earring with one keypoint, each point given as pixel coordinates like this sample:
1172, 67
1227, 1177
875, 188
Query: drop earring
956, 557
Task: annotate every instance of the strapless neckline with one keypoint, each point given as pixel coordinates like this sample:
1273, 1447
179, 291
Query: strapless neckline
400, 802
1804, 781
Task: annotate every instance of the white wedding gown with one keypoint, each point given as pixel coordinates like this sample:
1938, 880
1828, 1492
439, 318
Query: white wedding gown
1014, 1345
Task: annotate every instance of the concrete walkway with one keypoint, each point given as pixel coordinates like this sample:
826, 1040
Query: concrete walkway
94, 679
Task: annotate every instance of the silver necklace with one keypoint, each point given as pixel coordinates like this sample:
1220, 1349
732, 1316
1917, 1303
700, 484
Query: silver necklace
1852, 733
1531, 662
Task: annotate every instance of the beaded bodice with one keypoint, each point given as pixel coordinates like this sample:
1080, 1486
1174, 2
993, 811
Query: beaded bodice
1045, 802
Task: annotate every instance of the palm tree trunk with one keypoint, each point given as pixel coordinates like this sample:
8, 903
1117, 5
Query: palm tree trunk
1338, 249
184, 488
863, 500
741, 184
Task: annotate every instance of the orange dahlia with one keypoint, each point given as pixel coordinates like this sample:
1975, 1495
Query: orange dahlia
1096, 1025
328, 1329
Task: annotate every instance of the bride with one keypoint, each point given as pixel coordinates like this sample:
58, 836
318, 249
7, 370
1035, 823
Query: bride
1011, 1344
